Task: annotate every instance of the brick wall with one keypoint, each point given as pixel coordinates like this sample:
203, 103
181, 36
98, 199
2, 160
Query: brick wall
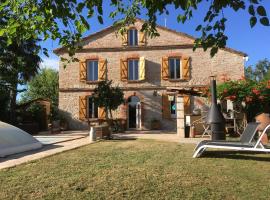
110, 38
151, 109
225, 63
202, 66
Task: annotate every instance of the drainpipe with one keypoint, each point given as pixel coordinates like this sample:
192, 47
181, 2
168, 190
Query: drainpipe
215, 117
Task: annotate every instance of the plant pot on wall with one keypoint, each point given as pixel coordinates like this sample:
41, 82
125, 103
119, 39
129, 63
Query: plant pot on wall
155, 124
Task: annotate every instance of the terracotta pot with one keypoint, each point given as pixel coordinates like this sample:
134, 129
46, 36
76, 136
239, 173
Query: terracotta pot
264, 120
192, 132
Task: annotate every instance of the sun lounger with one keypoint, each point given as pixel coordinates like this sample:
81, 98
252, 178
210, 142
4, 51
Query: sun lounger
246, 142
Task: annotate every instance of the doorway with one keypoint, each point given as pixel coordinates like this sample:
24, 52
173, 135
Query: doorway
134, 112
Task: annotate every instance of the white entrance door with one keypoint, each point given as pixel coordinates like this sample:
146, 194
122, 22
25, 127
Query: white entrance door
138, 115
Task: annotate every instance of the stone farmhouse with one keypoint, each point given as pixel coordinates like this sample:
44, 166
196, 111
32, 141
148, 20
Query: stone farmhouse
151, 72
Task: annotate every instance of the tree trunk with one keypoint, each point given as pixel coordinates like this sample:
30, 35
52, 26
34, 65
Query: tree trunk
12, 105
111, 114
106, 114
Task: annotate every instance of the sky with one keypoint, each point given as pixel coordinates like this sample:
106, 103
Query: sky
253, 41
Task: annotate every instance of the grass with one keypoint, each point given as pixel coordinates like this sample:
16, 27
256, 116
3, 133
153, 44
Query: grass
139, 169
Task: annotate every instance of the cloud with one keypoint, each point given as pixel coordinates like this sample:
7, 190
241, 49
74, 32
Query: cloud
52, 63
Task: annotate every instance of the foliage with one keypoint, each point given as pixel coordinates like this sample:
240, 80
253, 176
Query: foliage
19, 62
36, 112
261, 71
43, 85
255, 95
108, 96
63, 19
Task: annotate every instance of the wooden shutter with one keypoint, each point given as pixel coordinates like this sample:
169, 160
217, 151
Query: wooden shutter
165, 68
142, 68
82, 107
185, 68
101, 113
142, 38
125, 39
187, 104
123, 70
82, 65
102, 68
166, 112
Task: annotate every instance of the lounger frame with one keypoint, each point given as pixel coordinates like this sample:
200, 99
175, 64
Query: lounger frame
258, 146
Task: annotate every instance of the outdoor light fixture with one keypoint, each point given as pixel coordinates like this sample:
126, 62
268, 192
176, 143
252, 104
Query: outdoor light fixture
170, 97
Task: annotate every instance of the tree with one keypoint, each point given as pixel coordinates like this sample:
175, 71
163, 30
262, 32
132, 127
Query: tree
108, 97
249, 74
63, 19
43, 85
261, 69
19, 62
4, 99
260, 72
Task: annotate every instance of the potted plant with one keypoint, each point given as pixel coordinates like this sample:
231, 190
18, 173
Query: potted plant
264, 120
155, 124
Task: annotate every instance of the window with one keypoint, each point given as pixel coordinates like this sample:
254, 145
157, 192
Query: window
174, 68
92, 70
92, 109
132, 37
133, 69
173, 107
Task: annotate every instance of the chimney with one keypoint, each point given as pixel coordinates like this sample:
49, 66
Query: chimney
215, 117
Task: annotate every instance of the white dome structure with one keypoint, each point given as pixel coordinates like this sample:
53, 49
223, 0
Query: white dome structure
14, 140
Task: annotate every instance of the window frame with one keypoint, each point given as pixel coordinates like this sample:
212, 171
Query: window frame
135, 37
133, 70
92, 116
93, 68
175, 58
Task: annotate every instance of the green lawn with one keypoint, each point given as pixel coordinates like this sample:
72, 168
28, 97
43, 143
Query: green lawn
139, 169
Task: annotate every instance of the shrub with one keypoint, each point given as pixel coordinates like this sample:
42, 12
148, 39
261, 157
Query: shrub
253, 95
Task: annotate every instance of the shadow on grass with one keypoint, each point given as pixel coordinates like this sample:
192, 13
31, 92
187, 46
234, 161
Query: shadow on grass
237, 155
123, 138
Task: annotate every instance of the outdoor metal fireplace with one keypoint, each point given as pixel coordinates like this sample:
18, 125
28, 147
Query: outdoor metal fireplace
215, 117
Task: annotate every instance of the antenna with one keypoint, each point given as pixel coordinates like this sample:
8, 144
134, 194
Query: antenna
165, 20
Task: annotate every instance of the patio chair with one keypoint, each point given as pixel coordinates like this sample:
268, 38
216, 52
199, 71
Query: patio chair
202, 121
245, 144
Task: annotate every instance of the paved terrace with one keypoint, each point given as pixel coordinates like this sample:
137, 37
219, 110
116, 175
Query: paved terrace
53, 144
57, 143
157, 135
